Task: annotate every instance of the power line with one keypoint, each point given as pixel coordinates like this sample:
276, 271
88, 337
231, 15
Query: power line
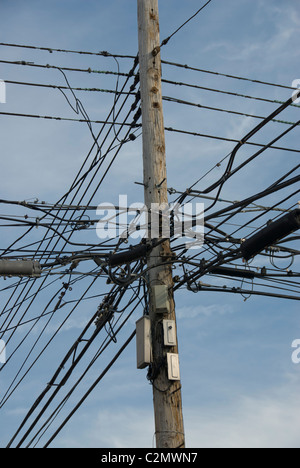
255, 197
217, 109
231, 140
251, 80
110, 303
97, 381
175, 83
130, 74
95, 162
220, 247
165, 41
70, 119
228, 93
246, 292
72, 88
88, 70
51, 50
111, 337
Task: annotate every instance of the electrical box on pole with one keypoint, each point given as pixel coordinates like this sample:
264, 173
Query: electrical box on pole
161, 299
143, 342
173, 366
169, 333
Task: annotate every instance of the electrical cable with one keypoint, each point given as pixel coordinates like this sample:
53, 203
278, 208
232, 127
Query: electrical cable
51, 50
60, 406
228, 93
227, 111
165, 41
85, 396
106, 303
56, 374
88, 70
231, 140
68, 119
54, 250
187, 67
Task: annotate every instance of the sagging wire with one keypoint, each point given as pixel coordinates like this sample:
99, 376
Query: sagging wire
79, 108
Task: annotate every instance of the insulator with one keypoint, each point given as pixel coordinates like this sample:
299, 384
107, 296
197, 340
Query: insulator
271, 234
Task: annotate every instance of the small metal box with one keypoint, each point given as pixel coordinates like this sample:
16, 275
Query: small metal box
143, 342
169, 332
161, 299
173, 366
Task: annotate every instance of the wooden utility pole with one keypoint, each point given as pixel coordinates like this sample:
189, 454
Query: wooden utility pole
169, 429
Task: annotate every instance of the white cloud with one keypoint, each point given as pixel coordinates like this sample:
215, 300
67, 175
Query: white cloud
189, 312
270, 420
122, 428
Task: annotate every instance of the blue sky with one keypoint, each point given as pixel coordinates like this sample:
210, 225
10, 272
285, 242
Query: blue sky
240, 387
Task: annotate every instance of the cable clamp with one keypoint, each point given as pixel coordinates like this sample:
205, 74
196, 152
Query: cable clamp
156, 51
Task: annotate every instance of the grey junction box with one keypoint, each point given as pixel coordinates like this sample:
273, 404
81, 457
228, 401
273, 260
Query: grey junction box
169, 332
161, 299
143, 342
173, 366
